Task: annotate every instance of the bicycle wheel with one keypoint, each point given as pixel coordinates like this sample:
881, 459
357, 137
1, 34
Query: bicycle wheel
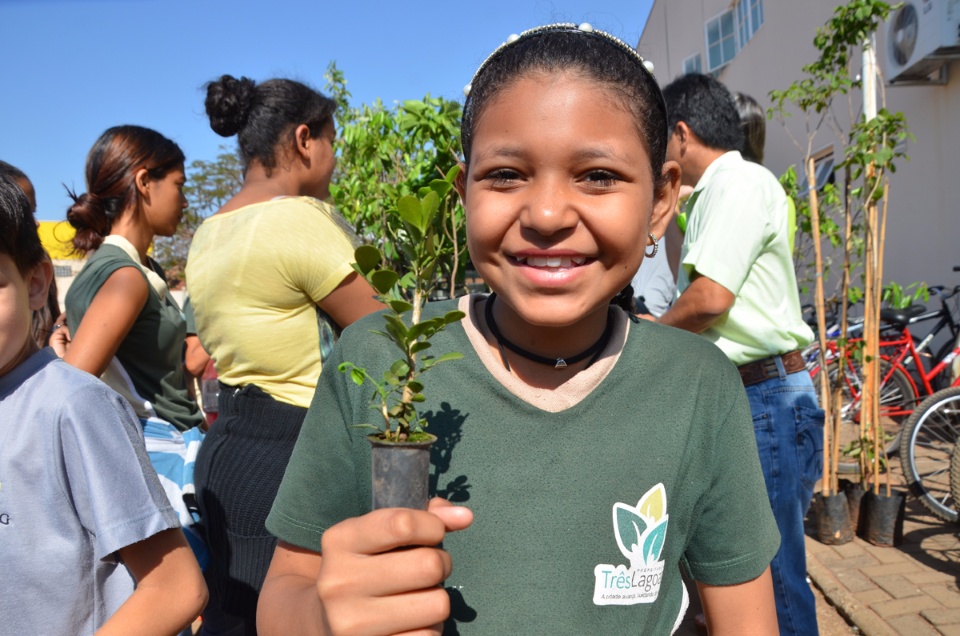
929, 436
955, 476
896, 397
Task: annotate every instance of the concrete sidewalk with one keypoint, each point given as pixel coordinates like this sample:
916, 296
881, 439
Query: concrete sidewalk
911, 589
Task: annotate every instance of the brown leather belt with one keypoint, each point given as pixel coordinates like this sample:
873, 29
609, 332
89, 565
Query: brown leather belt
760, 370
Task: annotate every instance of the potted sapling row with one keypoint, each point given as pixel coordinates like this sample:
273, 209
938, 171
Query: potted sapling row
400, 444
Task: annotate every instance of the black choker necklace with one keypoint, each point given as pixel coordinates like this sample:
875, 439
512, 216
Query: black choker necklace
557, 363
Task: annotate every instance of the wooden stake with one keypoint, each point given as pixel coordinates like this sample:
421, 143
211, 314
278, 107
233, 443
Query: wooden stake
829, 479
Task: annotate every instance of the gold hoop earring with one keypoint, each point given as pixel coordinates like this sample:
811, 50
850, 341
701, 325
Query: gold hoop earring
656, 246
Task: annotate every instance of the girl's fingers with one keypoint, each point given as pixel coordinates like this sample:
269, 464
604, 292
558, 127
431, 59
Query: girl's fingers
382, 531
380, 573
418, 612
390, 528
397, 572
453, 517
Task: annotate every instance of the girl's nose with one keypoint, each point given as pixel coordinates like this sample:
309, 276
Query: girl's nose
549, 210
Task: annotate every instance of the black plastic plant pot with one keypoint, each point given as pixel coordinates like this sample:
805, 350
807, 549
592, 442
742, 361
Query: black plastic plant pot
401, 473
833, 519
854, 492
883, 518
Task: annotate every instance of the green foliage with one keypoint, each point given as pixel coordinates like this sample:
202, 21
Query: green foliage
871, 149
397, 393
875, 144
894, 295
396, 154
829, 75
209, 185
831, 212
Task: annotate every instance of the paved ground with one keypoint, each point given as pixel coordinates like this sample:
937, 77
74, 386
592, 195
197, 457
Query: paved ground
910, 589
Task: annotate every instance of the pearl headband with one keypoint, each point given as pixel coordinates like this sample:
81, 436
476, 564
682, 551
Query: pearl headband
563, 27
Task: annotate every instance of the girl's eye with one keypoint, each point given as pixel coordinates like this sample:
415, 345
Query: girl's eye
502, 177
601, 178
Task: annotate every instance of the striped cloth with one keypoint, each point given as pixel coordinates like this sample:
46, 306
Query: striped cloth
173, 455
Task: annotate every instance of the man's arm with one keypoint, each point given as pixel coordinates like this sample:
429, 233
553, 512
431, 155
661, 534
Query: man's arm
744, 609
700, 305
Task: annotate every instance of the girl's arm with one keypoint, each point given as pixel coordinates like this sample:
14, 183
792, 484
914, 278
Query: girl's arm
353, 299
745, 609
170, 591
107, 321
361, 585
195, 357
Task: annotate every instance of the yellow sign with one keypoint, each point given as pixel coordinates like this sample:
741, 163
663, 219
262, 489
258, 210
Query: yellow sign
57, 237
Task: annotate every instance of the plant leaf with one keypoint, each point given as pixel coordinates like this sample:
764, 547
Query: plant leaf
411, 212
367, 257
453, 316
400, 368
429, 206
400, 306
383, 280
453, 355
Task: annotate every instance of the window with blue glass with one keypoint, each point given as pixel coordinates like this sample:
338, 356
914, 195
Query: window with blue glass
749, 19
721, 39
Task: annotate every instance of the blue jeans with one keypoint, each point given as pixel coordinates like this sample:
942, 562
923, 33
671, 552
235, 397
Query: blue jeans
788, 423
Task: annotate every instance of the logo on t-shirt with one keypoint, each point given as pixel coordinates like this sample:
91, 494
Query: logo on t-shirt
641, 532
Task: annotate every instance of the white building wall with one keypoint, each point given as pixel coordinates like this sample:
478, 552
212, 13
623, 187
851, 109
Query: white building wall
923, 231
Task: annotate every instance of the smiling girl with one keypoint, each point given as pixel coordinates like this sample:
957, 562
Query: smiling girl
597, 453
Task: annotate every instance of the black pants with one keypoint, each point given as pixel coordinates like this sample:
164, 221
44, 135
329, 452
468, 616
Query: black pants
238, 472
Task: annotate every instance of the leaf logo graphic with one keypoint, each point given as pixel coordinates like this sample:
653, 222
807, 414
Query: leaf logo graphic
653, 505
641, 534
628, 527
641, 531
653, 543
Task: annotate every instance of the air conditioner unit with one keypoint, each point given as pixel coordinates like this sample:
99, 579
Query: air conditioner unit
920, 37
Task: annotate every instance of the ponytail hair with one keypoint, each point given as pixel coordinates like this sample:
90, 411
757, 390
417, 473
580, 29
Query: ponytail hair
112, 165
624, 300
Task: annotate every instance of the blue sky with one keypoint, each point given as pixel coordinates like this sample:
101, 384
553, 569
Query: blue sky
73, 68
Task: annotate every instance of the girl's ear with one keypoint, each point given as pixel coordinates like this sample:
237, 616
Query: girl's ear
142, 180
38, 282
460, 183
665, 199
302, 138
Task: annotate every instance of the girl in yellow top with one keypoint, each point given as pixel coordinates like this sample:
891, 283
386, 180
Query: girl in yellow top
271, 283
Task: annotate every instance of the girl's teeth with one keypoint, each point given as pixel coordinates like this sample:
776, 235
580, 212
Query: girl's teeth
553, 261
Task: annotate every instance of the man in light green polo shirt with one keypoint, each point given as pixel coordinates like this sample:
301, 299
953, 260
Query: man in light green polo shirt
737, 287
